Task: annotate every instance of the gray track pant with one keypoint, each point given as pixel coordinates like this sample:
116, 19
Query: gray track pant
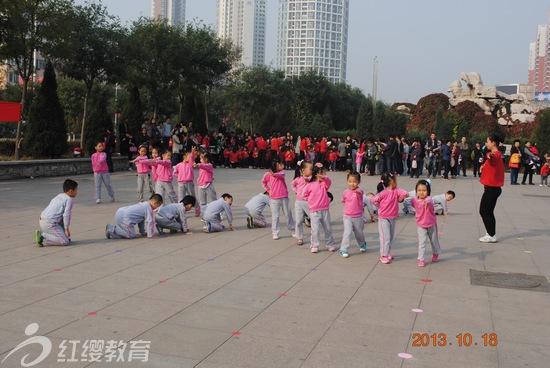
386, 232
301, 209
320, 219
276, 206
166, 190
209, 191
143, 180
104, 178
353, 226
428, 235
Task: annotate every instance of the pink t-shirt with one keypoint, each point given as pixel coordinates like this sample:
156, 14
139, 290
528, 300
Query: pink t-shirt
184, 170
387, 202
298, 186
275, 184
425, 214
142, 164
316, 194
164, 170
99, 163
353, 202
206, 175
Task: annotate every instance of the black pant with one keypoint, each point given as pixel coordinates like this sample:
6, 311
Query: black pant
110, 160
487, 208
527, 170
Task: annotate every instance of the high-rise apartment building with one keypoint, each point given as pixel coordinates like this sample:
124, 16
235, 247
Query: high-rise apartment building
313, 35
171, 10
539, 60
243, 22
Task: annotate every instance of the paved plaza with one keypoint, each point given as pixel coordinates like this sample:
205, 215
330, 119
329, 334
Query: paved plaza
241, 299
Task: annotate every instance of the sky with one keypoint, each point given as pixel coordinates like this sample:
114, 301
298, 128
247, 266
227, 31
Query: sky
421, 46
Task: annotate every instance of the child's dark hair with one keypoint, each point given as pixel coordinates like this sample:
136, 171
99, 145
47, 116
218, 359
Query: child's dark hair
189, 199
156, 198
69, 184
451, 193
227, 196
385, 181
99, 142
274, 164
354, 174
299, 167
317, 170
495, 139
205, 156
426, 183
330, 196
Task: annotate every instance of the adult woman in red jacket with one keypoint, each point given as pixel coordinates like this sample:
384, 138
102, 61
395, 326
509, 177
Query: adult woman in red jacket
492, 179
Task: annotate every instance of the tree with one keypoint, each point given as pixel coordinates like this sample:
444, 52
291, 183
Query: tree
542, 131
310, 95
155, 53
25, 27
365, 118
209, 59
254, 95
71, 94
134, 111
46, 131
99, 119
443, 126
89, 50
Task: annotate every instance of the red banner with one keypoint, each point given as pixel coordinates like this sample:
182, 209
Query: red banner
10, 111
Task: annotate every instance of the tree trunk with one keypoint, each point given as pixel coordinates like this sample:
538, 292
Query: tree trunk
84, 114
18, 133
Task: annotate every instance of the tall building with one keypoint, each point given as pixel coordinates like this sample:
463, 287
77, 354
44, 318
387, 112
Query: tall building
313, 35
243, 22
539, 60
171, 10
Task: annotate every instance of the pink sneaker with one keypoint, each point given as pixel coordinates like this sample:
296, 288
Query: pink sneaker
435, 257
385, 260
314, 250
300, 242
330, 248
390, 257
421, 263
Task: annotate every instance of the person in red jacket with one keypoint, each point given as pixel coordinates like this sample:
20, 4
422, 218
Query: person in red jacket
262, 148
304, 144
493, 180
323, 149
289, 159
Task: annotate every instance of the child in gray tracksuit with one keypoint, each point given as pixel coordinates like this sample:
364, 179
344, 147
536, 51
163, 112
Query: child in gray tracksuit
441, 202
254, 210
141, 214
408, 208
173, 217
56, 218
211, 214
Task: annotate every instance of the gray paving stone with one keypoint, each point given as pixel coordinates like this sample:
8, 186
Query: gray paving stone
256, 351
181, 341
336, 313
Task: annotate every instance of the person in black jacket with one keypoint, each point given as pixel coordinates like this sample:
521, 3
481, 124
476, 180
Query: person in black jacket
125, 137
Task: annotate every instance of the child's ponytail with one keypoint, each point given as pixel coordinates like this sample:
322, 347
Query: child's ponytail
385, 181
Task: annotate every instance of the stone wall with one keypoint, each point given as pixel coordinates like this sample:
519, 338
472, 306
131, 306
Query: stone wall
41, 168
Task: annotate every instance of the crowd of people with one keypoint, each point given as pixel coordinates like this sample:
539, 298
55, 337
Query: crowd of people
235, 148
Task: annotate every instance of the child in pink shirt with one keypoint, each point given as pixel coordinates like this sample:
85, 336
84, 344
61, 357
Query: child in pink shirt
426, 222
164, 185
143, 165
206, 179
387, 200
353, 215
275, 185
101, 173
301, 208
186, 179
318, 200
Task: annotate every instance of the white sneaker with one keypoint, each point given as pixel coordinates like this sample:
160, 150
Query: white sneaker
488, 239
275, 237
97, 201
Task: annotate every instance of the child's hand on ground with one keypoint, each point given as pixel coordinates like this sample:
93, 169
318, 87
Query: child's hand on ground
68, 233
231, 228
